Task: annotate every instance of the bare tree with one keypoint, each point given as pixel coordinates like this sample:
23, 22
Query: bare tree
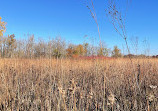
146, 45
135, 43
30, 46
40, 48
59, 47
20, 50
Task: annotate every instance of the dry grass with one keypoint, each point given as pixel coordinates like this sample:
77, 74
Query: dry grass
84, 85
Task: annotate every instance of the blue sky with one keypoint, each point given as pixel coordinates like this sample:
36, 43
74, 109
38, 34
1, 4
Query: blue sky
71, 20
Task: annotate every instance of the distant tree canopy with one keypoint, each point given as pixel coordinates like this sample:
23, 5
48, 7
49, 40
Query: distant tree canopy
11, 45
75, 51
116, 52
54, 48
2, 27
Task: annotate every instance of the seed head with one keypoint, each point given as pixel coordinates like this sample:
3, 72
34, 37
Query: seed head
111, 98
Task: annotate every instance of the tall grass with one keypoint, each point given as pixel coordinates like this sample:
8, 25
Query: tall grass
78, 85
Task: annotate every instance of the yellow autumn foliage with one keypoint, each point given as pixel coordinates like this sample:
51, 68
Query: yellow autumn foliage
2, 27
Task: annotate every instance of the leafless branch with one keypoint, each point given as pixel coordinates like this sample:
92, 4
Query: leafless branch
118, 21
94, 16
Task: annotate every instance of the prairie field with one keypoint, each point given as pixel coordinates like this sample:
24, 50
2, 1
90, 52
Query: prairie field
79, 84
78, 55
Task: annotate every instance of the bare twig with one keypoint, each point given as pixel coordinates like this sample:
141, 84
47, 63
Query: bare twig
94, 16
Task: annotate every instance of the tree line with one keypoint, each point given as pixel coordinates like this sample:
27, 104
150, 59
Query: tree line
10, 47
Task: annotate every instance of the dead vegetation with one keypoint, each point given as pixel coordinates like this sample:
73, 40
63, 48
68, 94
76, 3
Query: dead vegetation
78, 85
